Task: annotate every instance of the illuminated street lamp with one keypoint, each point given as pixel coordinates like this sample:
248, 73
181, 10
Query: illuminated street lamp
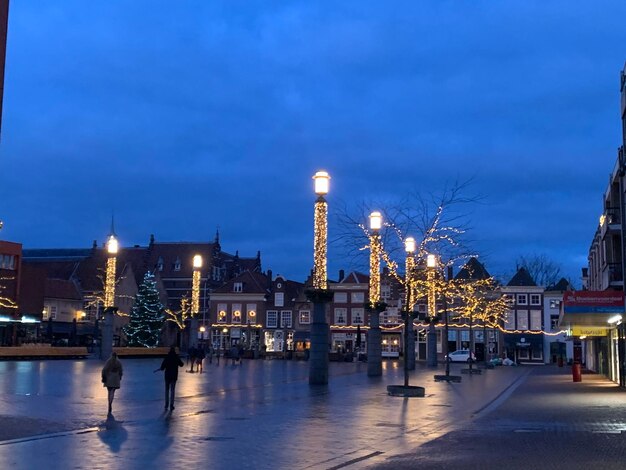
319, 295
195, 285
374, 335
409, 346
431, 264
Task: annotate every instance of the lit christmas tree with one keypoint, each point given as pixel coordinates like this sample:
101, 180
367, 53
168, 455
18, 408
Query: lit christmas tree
146, 316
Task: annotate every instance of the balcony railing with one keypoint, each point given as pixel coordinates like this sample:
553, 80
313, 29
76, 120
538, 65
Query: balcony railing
615, 272
612, 215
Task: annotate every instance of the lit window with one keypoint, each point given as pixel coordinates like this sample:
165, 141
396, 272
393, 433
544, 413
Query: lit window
251, 313
236, 313
555, 303
305, 317
221, 313
340, 316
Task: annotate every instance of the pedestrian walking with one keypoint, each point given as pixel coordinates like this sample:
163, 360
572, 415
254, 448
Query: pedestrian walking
170, 365
200, 355
111, 377
234, 353
191, 357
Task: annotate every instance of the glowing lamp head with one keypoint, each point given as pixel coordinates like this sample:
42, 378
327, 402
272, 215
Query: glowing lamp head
376, 220
431, 261
225, 330
202, 329
614, 319
112, 245
409, 245
322, 180
197, 262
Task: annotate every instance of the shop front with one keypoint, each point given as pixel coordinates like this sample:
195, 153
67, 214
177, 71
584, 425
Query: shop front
524, 348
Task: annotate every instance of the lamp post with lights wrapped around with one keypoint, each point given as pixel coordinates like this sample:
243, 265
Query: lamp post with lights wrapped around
319, 295
375, 306
106, 345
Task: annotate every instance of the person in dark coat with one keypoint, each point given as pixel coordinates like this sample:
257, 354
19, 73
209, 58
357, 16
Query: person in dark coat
170, 365
112, 376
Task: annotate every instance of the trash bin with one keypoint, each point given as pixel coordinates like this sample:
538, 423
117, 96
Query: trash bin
576, 372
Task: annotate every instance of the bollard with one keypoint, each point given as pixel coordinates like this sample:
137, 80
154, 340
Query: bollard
576, 373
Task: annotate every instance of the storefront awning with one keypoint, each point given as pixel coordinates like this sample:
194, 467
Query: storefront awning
590, 308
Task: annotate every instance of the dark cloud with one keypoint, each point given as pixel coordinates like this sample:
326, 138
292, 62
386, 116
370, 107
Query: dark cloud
183, 117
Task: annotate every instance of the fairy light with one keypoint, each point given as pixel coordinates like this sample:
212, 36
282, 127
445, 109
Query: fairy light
320, 226
409, 247
195, 285
375, 255
112, 246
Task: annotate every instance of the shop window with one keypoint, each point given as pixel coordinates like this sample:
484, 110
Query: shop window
537, 354
523, 354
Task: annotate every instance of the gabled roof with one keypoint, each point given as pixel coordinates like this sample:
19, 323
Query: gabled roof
522, 278
473, 270
355, 278
252, 283
52, 254
563, 285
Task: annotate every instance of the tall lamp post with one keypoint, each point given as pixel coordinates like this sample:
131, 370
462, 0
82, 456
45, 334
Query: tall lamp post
195, 301
106, 345
431, 264
374, 335
319, 294
409, 346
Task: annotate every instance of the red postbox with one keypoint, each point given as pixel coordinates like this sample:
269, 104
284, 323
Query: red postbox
576, 372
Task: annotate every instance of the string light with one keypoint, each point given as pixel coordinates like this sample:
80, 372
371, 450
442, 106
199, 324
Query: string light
320, 242
109, 283
195, 293
375, 252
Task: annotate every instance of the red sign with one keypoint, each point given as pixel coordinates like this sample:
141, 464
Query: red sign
594, 298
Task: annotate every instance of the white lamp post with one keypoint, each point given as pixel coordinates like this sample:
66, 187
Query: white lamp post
374, 335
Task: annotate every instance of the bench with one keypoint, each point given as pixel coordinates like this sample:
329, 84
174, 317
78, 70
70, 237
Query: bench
141, 352
43, 352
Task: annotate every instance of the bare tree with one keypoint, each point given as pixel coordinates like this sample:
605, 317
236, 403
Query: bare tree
543, 270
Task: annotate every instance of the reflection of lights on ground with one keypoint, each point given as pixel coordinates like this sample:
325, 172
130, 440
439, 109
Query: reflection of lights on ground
391, 365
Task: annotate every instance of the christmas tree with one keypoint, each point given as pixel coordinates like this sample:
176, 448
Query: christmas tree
146, 316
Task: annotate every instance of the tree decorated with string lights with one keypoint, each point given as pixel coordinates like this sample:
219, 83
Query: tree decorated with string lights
146, 316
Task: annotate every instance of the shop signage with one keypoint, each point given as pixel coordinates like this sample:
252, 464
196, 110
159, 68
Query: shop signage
593, 302
588, 331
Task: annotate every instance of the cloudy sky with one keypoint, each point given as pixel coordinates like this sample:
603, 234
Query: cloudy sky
184, 116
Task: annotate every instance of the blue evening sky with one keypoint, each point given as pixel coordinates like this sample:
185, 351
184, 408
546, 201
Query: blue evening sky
184, 116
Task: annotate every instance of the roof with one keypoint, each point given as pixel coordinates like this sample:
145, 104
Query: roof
522, 278
252, 283
355, 278
62, 289
473, 270
561, 286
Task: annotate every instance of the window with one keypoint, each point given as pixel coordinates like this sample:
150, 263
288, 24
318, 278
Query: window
555, 303
522, 319
177, 264
522, 299
508, 298
279, 299
554, 323
523, 353
285, 319
305, 317
160, 264
537, 354
221, 313
385, 293
238, 287
358, 297
7, 262
236, 313
509, 320
272, 319
251, 313
535, 319
358, 316
535, 299
341, 297
53, 312
340, 316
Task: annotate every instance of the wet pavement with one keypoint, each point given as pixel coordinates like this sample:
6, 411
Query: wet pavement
260, 415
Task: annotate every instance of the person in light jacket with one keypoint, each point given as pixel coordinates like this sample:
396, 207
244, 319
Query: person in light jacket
112, 377
170, 365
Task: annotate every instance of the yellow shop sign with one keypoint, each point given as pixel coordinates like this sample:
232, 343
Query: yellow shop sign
589, 331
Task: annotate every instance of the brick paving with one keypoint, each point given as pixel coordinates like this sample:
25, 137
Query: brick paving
260, 415
548, 422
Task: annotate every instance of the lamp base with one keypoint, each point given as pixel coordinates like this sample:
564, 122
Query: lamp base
408, 391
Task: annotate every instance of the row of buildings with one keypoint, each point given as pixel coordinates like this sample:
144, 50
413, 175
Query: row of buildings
599, 321
58, 297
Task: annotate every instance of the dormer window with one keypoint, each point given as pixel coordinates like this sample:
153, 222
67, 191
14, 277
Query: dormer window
160, 264
177, 264
238, 287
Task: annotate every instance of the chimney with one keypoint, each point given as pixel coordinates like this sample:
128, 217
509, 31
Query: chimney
450, 272
269, 274
342, 274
